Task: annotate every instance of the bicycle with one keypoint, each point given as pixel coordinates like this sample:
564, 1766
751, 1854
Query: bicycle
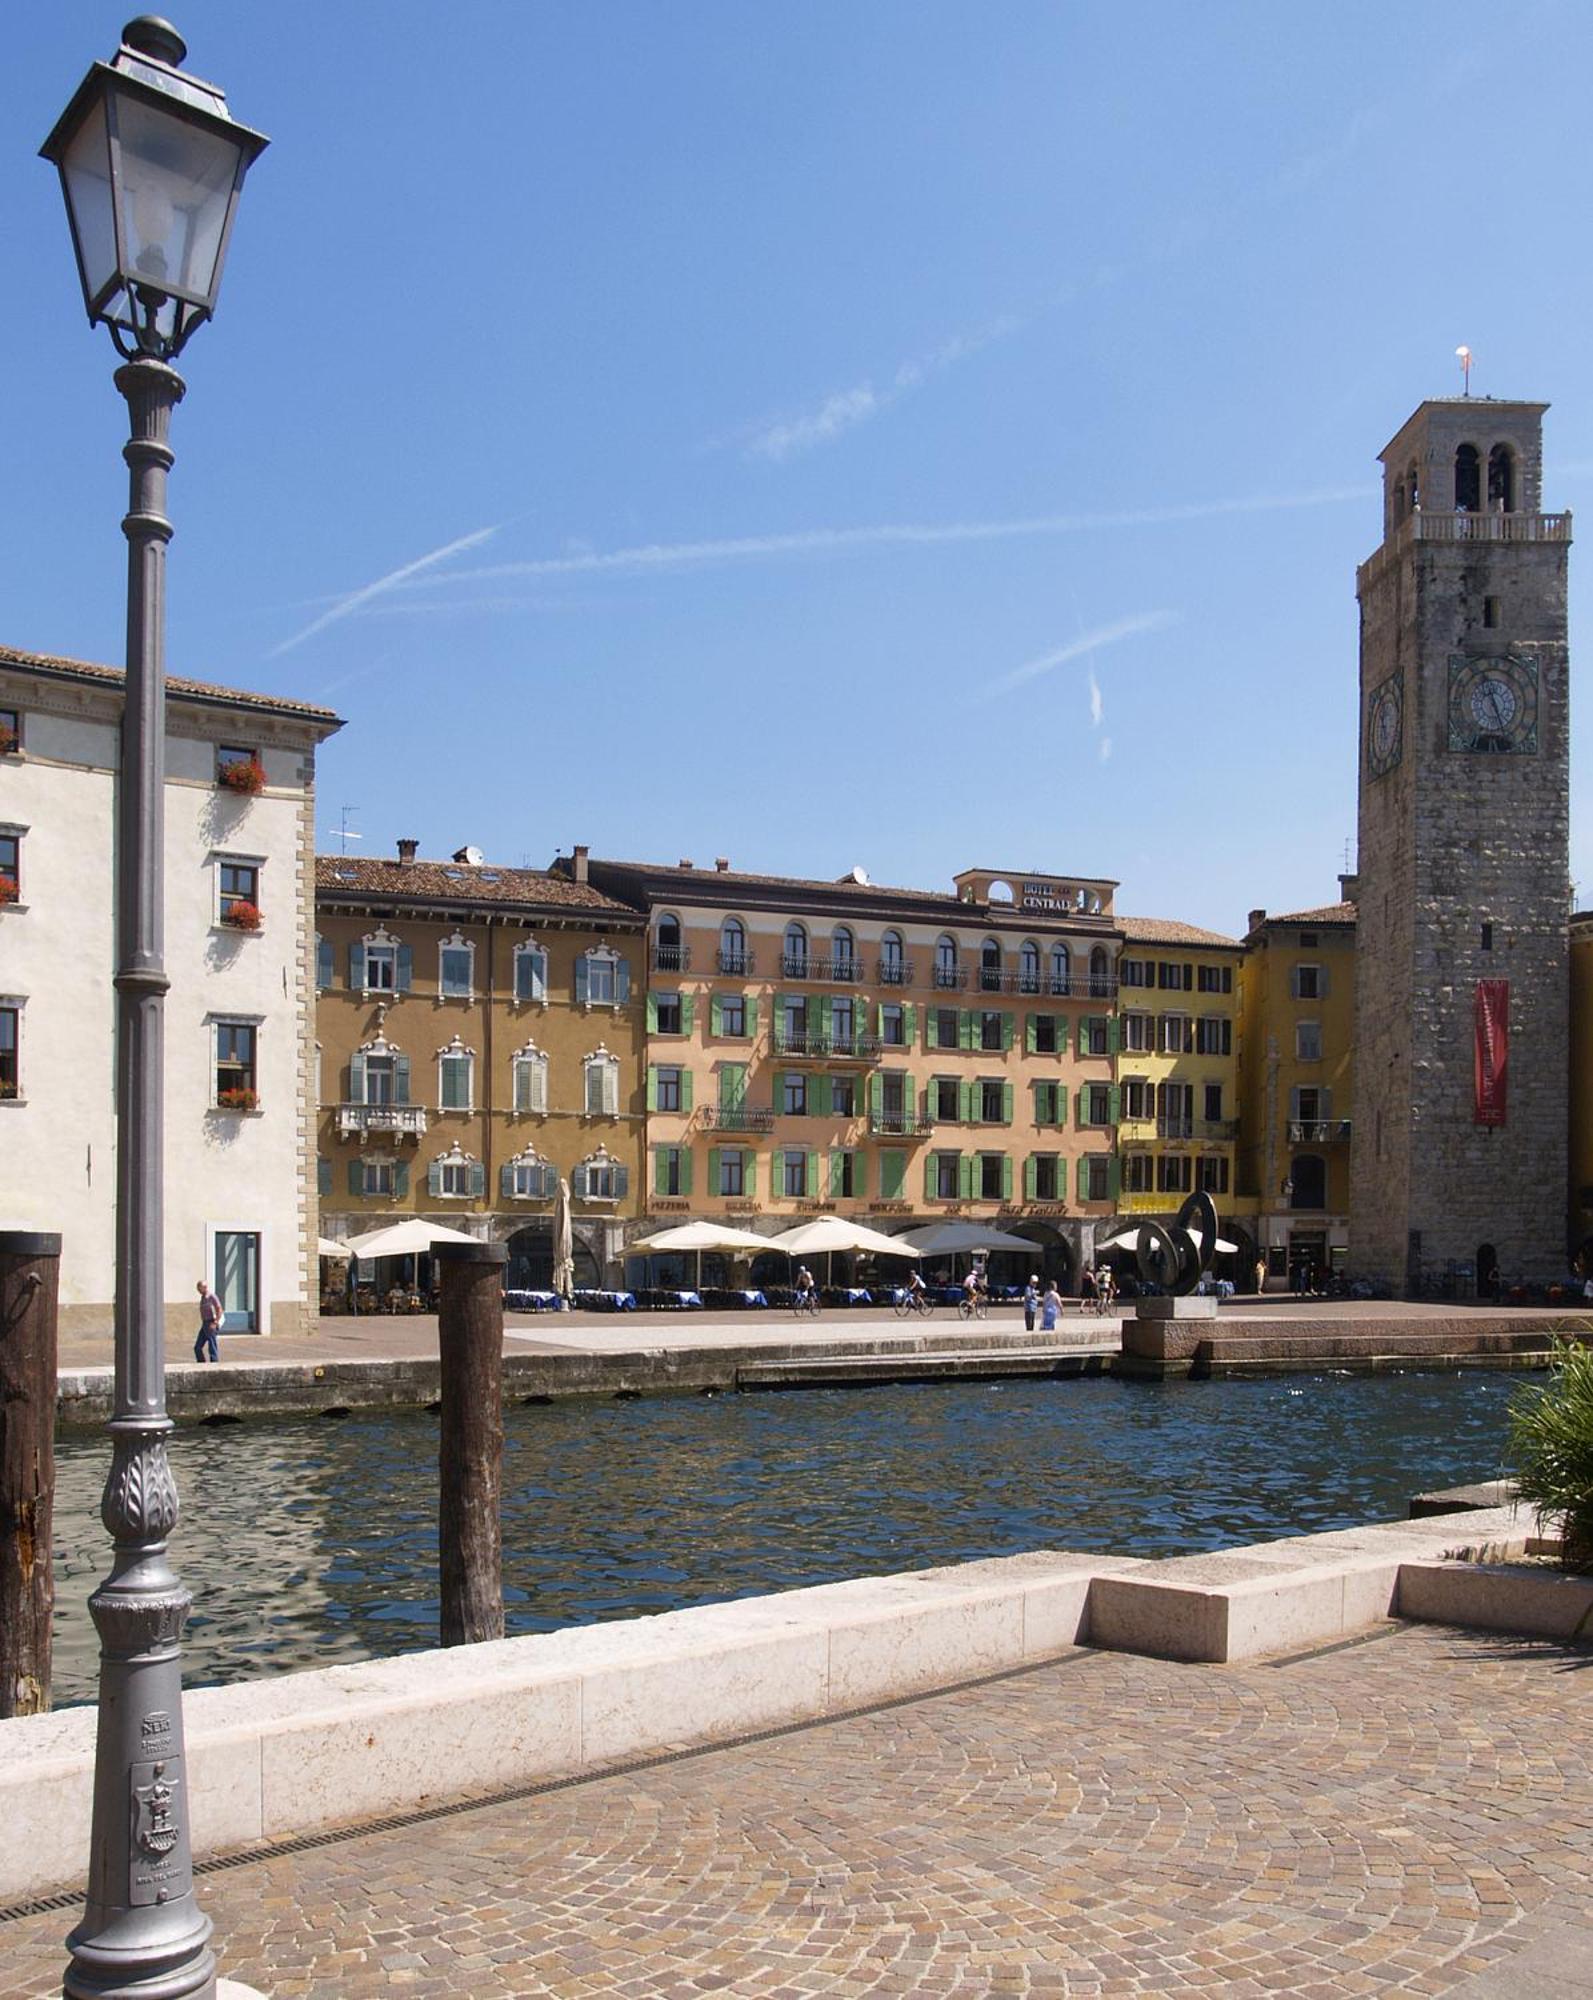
805, 1302
974, 1308
909, 1302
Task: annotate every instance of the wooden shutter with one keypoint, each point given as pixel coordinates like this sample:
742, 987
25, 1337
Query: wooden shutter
1031, 1039
1294, 1102
323, 962
401, 1080
580, 980
1031, 1168
622, 987
401, 1181
749, 1173
478, 1179
876, 1096
836, 1171
859, 1176
434, 1179
660, 1169
652, 1086
715, 1177
688, 1012
685, 1090
966, 1163
1061, 1034
966, 1107
1006, 1031
1006, 1177
892, 1176
685, 1170
356, 1177
404, 971
652, 1013
819, 1096
752, 1013
356, 1077
733, 1085
356, 968
578, 1182
1113, 1037
506, 1182
1006, 1104
622, 1183
932, 1029
323, 1176
967, 1028
1079, 1105
1114, 1103
812, 1179
716, 1016
910, 1025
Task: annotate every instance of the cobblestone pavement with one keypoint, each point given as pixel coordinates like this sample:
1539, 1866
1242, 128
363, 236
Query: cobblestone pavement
1412, 1814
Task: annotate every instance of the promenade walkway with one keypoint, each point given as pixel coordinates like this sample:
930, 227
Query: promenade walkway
1407, 1813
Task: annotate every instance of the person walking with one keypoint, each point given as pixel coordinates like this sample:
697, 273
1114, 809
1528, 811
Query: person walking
1050, 1307
205, 1345
1031, 1302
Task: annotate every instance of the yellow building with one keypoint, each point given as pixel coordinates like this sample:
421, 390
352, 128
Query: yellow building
480, 1035
1297, 1070
1579, 1230
1177, 1065
898, 1055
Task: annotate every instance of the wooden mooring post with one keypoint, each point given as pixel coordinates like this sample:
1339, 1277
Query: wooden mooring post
30, 1270
470, 1449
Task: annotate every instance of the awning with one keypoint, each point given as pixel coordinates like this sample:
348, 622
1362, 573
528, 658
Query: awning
834, 1232
936, 1239
412, 1238
699, 1236
325, 1247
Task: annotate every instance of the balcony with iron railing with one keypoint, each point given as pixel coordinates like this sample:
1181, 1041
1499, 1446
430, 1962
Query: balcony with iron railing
1170, 1127
894, 972
900, 1124
388, 1121
736, 964
1320, 1131
949, 978
738, 1118
671, 957
832, 971
836, 1045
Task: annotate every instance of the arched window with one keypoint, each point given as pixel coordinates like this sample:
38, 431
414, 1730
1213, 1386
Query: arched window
843, 953
1413, 486
1468, 480
1502, 480
990, 966
1061, 968
794, 962
529, 1068
733, 948
669, 954
1029, 966
1100, 974
945, 961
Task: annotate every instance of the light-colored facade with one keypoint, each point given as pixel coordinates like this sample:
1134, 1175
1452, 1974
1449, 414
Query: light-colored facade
1177, 1066
895, 1055
1579, 1194
480, 1036
239, 1146
1297, 1080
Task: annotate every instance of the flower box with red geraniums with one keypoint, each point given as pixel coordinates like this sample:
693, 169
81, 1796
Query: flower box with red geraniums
241, 916
9, 739
8, 891
245, 775
239, 1098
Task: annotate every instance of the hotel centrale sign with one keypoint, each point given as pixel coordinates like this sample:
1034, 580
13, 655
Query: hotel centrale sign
1045, 896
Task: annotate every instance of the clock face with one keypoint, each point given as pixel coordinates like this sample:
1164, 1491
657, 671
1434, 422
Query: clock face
1493, 706
1383, 721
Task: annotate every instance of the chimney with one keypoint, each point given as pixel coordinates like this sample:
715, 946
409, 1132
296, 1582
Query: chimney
722, 863
686, 862
1255, 920
1350, 888
578, 859
407, 850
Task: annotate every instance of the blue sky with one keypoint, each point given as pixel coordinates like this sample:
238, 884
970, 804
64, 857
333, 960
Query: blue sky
857, 431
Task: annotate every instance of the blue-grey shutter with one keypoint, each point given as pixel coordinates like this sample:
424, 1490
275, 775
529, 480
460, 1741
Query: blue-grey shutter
401, 1181
622, 981
622, 1183
401, 1079
404, 976
356, 1077
580, 981
578, 1183
434, 1179
506, 1182
478, 1178
356, 1178
323, 1176
323, 963
356, 967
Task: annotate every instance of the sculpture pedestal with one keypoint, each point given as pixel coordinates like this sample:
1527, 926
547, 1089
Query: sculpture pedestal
1163, 1336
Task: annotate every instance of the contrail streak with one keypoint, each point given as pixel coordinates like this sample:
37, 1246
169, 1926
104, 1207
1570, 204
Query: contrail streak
357, 599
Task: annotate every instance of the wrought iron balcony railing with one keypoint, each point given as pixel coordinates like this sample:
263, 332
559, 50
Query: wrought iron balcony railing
736, 964
894, 972
949, 978
1169, 1127
1319, 1131
403, 1121
671, 957
738, 1117
895, 1124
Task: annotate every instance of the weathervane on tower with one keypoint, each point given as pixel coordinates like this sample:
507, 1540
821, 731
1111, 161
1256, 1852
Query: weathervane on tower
1463, 356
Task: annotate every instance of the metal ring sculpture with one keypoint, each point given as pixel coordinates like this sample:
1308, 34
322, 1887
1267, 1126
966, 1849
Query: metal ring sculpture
1175, 1259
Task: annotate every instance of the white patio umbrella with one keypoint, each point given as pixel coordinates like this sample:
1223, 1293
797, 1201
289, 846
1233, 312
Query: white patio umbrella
325, 1247
410, 1238
563, 1242
828, 1233
937, 1239
701, 1236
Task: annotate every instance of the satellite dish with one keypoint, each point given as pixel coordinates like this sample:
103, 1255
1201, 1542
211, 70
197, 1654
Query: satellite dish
471, 856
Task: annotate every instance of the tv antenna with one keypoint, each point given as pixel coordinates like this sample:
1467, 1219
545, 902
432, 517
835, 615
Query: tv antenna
346, 833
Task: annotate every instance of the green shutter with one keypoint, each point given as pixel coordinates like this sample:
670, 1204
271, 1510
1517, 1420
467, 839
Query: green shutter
1062, 1026
401, 1181
715, 1178
1030, 1177
835, 1173
1030, 1039
966, 1164
685, 1170
356, 1077
749, 1172
813, 1176
967, 1028
434, 1180
892, 1176
819, 1099
876, 1096
652, 1082
1111, 1178
356, 1179
966, 1105
506, 1182
580, 980
752, 1013
826, 1011
652, 1013
929, 1176
932, 1029
1006, 1177
1113, 1035
401, 1079
356, 968
478, 1180
323, 1176
1006, 1031
860, 1176
404, 973
715, 1016
688, 1012
732, 1086
1114, 1105
1078, 1105
910, 1025
685, 1090
1006, 1104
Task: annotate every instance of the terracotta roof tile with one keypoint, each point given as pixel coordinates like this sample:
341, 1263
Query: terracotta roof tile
89, 670
362, 879
1168, 930
1330, 913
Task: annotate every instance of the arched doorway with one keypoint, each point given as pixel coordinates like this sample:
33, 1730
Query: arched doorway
1057, 1259
530, 1265
1487, 1271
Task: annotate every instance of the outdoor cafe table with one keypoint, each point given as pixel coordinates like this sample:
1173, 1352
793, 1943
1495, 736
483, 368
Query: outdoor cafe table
622, 1302
533, 1302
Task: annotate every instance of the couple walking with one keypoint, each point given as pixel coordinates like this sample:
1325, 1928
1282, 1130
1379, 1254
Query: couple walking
1049, 1307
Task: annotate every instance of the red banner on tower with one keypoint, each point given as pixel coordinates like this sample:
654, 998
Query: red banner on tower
1492, 1054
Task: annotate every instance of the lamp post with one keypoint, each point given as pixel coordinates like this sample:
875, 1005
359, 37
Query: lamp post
151, 166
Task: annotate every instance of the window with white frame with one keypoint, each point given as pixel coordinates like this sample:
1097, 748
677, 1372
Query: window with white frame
1097, 1171
10, 864
530, 973
456, 1077
378, 964
1138, 1097
379, 1074
732, 1172
10, 732
529, 1070
10, 1050
1214, 1035
600, 1177
602, 978
1178, 1035
456, 968
238, 892
378, 1175
794, 1174
530, 1178
456, 1176
1139, 1033
1139, 1172
602, 1084
732, 1014
236, 1052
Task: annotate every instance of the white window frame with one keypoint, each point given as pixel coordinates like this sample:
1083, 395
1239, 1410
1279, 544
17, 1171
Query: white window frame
380, 943
213, 1022
608, 1090
1139, 1034
605, 956
457, 1052
455, 1161
458, 942
529, 949
19, 834
255, 862
532, 1063
263, 1286
380, 1163
602, 1161
17, 1004
527, 1162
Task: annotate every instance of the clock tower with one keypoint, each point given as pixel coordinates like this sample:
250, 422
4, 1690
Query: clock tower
1458, 1148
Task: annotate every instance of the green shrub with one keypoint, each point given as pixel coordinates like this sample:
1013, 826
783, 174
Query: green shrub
1551, 1449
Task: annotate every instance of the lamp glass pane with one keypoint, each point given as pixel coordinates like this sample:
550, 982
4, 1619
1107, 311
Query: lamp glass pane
86, 169
175, 184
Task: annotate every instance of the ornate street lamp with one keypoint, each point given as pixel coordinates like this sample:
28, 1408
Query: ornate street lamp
151, 166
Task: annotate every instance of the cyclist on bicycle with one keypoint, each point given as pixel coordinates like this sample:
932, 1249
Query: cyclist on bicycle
915, 1287
972, 1288
1106, 1288
804, 1285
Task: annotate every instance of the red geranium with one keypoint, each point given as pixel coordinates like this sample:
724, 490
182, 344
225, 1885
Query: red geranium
243, 774
241, 915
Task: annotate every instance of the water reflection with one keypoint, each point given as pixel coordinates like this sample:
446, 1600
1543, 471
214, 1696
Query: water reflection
315, 1541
